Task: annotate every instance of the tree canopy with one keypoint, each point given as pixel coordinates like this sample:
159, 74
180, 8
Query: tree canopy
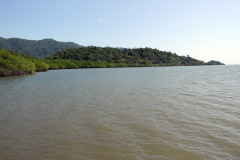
14, 65
138, 57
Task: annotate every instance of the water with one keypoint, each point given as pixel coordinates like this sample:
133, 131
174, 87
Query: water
122, 113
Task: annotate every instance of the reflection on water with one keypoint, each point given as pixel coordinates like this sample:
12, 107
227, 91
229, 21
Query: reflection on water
122, 113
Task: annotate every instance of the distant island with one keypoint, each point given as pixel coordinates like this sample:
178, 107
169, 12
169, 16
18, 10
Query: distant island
15, 62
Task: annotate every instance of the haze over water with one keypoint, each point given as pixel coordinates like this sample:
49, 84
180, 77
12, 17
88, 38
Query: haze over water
122, 113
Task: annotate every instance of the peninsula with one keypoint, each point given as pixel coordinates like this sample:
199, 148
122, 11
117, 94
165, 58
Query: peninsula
13, 63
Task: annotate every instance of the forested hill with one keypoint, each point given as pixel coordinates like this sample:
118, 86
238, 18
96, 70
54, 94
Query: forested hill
128, 57
13, 63
40, 49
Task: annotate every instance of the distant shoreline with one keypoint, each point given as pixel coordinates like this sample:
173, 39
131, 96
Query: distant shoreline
13, 63
103, 68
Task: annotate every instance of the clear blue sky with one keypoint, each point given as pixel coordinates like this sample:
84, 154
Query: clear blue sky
202, 29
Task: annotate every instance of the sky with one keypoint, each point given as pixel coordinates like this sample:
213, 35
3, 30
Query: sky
203, 29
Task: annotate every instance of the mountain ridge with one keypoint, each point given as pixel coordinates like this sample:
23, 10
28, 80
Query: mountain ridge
38, 48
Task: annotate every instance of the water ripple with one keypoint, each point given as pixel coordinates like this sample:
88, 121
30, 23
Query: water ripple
122, 113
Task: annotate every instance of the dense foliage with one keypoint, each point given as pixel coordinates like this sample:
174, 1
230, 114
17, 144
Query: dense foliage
40, 49
73, 64
14, 65
128, 57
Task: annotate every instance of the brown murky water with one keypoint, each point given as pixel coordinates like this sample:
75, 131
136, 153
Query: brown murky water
122, 113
